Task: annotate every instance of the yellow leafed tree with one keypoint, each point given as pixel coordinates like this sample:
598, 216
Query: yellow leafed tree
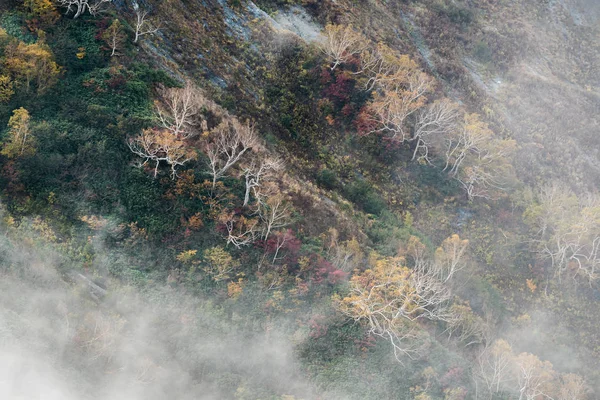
20, 142
31, 64
6, 88
42, 11
218, 263
388, 297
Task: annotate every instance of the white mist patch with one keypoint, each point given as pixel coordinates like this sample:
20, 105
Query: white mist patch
60, 342
26, 376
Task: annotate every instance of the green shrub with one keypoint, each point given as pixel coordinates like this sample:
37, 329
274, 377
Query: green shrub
327, 179
362, 194
456, 13
14, 24
482, 52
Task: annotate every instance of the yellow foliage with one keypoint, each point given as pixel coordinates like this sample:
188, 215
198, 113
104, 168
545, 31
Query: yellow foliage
523, 319
276, 300
195, 222
31, 63
6, 88
20, 142
218, 263
94, 222
376, 287
187, 256
43, 11
408, 219
44, 229
235, 289
80, 53
422, 396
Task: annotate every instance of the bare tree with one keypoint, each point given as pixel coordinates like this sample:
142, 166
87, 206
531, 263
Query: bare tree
99, 333
254, 172
230, 141
467, 327
430, 298
81, 6
161, 145
470, 138
179, 108
341, 43
241, 231
281, 238
449, 257
477, 159
274, 213
568, 231
534, 377
114, 36
142, 25
432, 123
494, 368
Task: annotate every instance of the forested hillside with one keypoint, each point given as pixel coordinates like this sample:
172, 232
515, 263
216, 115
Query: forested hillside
299, 199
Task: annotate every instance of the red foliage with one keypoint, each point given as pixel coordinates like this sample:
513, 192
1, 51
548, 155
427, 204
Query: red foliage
348, 109
287, 242
102, 25
364, 123
327, 76
325, 271
117, 81
341, 90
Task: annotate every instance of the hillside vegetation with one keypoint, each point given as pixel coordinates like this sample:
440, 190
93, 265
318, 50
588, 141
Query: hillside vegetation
311, 199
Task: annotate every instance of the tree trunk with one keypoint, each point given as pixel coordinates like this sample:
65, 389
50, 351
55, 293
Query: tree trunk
80, 9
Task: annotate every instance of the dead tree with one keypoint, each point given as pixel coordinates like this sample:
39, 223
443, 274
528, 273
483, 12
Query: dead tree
81, 6
254, 172
142, 25
230, 141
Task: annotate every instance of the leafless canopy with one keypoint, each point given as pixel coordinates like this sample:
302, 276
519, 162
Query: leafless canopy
143, 26
81, 6
179, 110
229, 142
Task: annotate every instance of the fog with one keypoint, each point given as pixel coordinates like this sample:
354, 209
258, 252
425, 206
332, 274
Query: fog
59, 341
